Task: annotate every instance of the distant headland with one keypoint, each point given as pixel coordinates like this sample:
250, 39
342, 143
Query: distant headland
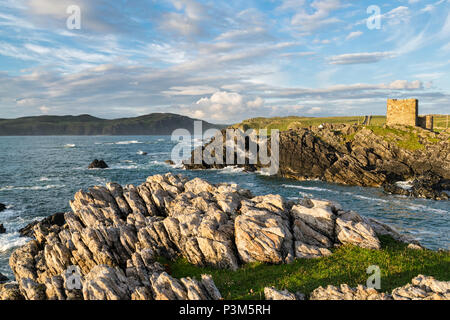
151, 124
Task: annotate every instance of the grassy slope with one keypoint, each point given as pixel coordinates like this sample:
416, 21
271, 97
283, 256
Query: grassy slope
286, 123
407, 138
347, 264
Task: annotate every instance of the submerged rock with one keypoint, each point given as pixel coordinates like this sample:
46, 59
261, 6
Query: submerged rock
98, 164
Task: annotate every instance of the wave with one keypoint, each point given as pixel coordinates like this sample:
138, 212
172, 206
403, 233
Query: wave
50, 186
231, 170
128, 142
422, 208
309, 188
122, 167
69, 145
406, 185
11, 240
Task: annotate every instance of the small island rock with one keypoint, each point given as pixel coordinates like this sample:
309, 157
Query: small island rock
98, 164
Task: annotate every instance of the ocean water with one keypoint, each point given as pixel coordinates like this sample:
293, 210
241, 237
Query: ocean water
39, 175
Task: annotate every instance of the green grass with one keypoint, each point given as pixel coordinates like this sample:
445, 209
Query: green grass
440, 122
407, 139
286, 123
347, 264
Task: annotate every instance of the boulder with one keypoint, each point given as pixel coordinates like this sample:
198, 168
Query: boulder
2, 229
56, 219
270, 293
10, 291
2, 207
423, 288
344, 292
262, 231
98, 164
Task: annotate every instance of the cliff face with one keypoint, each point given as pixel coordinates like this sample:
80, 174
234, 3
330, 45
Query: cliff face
152, 124
354, 155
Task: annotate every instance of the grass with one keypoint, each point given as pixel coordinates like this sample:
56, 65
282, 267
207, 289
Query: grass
407, 139
440, 122
347, 264
293, 122
286, 123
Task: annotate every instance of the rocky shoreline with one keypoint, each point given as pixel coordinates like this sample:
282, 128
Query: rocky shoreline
114, 235
420, 288
356, 155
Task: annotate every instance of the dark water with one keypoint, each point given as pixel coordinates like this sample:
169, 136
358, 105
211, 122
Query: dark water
39, 175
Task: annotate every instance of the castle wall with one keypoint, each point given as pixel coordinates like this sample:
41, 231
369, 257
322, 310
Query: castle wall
402, 111
426, 122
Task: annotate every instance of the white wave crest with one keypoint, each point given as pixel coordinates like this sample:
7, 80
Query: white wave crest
11, 240
50, 186
309, 188
128, 142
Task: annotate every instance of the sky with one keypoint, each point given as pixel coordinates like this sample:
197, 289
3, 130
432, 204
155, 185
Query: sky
222, 61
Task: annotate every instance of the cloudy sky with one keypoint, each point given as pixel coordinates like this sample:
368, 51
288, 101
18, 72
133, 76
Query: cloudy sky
222, 61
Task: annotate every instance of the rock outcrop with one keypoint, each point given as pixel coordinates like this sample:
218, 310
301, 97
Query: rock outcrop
356, 155
3, 278
55, 219
271, 293
98, 164
420, 288
114, 235
423, 288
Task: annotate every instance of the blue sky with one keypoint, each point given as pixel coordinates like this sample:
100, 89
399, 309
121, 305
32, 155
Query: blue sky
222, 61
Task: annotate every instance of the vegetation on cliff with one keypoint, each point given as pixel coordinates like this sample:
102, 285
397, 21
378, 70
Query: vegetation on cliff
294, 122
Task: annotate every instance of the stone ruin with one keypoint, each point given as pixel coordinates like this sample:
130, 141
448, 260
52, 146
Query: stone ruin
405, 112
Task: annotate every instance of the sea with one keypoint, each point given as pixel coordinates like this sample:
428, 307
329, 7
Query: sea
40, 174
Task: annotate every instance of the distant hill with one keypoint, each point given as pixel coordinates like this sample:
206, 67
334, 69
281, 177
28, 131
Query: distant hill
151, 124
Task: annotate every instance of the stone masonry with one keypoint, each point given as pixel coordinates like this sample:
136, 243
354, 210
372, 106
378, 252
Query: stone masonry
405, 112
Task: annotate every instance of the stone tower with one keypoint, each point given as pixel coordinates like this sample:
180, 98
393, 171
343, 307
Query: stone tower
406, 112
402, 111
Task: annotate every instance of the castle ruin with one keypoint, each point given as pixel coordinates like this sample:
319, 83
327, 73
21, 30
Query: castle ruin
406, 112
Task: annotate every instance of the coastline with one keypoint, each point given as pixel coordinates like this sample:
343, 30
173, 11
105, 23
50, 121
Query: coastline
143, 223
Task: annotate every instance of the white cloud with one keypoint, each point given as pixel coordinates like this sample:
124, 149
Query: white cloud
405, 85
44, 109
358, 58
306, 22
353, 35
190, 91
